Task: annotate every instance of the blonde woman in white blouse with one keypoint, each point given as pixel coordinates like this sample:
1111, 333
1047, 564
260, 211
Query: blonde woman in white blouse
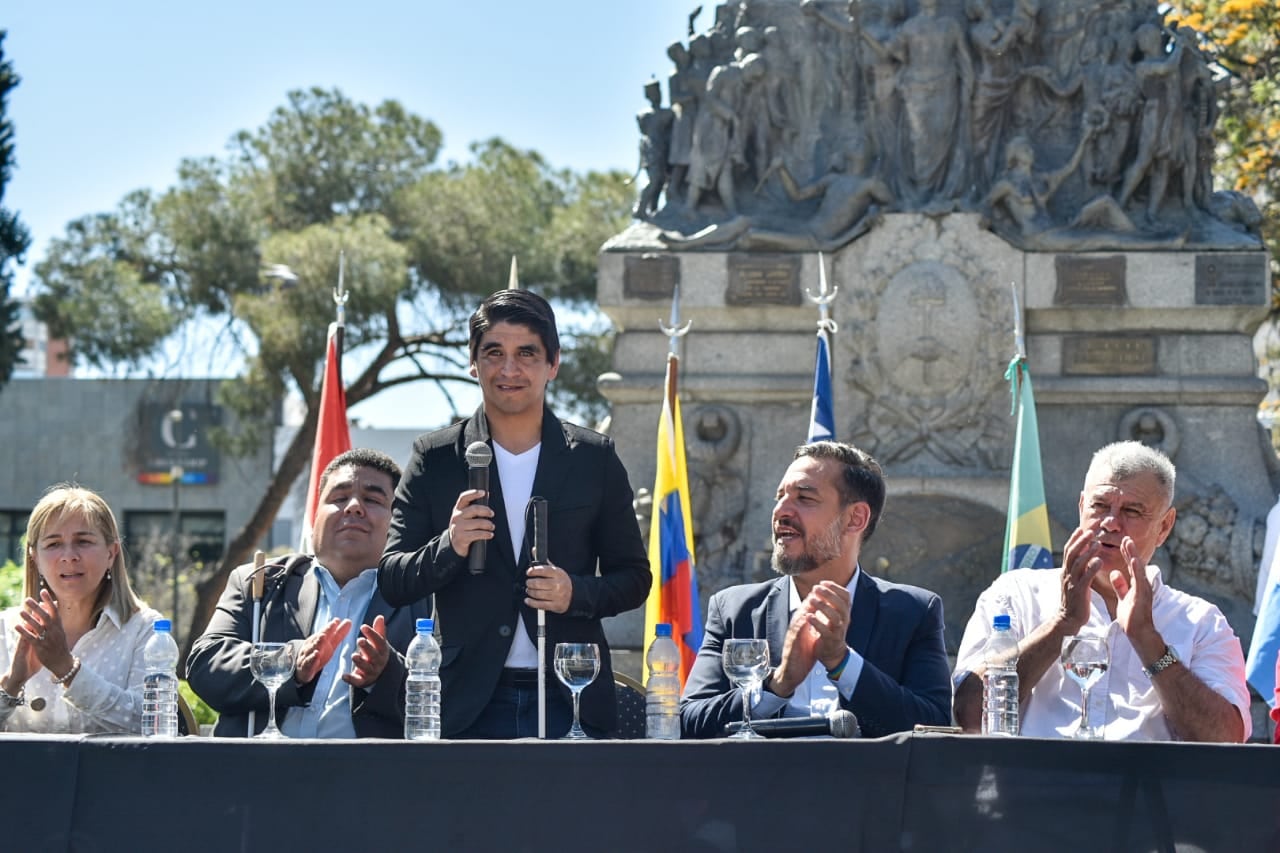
73, 648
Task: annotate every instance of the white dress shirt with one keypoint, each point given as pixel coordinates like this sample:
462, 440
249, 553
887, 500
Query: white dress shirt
105, 696
815, 696
1124, 699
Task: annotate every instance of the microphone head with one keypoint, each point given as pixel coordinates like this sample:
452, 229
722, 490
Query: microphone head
844, 724
479, 455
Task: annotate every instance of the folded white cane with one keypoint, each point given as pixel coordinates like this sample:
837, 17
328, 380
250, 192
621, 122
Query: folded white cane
538, 557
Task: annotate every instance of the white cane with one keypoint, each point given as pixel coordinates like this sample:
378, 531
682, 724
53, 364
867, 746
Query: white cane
255, 631
538, 557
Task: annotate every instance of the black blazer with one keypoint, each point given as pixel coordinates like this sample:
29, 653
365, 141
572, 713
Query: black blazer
218, 667
897, 629
591, 523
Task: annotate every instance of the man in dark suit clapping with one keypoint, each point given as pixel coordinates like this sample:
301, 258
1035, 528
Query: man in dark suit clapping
875, 648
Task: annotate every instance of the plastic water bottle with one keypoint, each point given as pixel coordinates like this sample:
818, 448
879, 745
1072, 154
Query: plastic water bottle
422, 688
1000, 684
160, 684
662, 693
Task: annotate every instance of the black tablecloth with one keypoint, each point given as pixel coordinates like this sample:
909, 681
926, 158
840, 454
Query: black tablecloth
908, 792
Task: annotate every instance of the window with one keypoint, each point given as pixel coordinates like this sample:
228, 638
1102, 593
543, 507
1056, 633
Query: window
201, 535
13, 526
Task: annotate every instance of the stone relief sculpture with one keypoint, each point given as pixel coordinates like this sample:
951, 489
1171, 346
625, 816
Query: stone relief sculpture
717, 494
947, 100
1213, 544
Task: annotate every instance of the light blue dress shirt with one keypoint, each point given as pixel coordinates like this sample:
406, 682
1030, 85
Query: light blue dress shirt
329, 714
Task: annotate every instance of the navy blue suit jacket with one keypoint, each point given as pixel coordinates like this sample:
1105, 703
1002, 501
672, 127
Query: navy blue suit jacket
897, 629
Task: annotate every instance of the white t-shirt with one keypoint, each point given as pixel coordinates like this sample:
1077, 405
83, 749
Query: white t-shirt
1124, 699
516, 472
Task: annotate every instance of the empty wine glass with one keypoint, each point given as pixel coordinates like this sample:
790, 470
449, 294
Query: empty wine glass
577, 665
1085, 659
745, 662
272, 665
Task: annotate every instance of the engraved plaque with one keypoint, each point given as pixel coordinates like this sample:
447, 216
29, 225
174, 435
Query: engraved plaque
1089, 280
763, 280
1109, 355
1231, 278
650, 276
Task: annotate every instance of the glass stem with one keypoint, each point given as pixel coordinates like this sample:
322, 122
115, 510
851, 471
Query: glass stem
271, 718
577, 694
746, 707
1084, 712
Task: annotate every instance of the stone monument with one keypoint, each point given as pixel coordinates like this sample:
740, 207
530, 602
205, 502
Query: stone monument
936, 151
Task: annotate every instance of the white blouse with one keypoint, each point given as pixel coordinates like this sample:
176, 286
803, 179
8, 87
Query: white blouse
105, 696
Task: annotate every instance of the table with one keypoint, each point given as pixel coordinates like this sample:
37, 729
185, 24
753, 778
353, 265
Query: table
921, 792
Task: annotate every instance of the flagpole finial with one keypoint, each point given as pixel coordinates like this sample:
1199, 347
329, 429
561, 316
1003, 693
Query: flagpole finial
675, 331
823, 298
340, 294
513, 279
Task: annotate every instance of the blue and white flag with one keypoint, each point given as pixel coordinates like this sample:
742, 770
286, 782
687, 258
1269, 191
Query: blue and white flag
822, 420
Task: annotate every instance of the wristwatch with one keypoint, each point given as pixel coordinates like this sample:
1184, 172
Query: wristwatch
1169, 659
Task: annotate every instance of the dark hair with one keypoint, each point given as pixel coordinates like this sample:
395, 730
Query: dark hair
363, 457
522, 308
863, 478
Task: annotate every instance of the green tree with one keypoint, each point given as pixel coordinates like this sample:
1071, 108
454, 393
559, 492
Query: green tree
325, 175
1242, 38
14, 238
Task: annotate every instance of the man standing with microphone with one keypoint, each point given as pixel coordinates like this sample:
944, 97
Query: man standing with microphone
487, 606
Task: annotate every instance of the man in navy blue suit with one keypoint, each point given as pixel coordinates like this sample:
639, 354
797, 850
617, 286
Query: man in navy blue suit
875, 648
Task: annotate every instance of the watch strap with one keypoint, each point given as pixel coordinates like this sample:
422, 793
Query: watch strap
1167, 660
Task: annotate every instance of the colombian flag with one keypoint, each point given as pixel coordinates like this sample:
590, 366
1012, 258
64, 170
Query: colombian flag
333, 435
674, 595
1026, 538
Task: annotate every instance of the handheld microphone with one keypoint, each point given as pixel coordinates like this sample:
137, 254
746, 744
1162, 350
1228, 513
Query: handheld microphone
479, 455
838, 724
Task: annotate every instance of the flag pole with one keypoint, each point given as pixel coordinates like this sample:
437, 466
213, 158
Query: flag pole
333, 436
822, 413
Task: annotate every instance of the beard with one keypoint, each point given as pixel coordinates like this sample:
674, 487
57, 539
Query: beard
823, 548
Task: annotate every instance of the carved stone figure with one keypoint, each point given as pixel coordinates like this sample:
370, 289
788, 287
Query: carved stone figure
936, 81
847, 199
655, 144
1158, 133
714, 131
682, 91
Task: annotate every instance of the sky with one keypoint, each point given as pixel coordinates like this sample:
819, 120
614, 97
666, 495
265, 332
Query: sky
114, 95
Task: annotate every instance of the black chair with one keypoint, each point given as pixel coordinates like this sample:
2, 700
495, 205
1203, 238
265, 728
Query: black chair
631, 706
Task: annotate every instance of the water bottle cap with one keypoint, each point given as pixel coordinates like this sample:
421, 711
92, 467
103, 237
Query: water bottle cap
163, 625
425, 626
662, 629
1001, 622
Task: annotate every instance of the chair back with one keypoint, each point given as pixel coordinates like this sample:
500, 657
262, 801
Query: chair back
187, 724
631, 706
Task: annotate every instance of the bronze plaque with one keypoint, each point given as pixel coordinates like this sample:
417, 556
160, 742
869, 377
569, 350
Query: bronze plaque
763, 280
650, 276
1231, 278
1090, 280
1109, 355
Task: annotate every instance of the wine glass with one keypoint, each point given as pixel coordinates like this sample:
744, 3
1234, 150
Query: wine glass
272, 665
745, 662
1085, 659
577, 665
